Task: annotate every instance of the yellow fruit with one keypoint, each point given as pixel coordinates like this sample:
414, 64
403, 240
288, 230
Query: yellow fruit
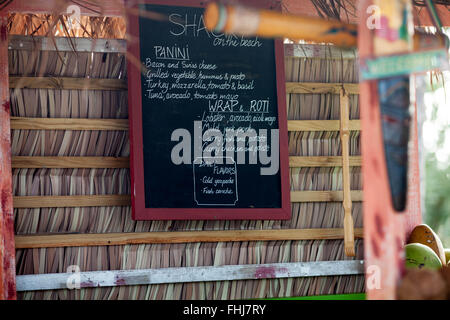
425, 235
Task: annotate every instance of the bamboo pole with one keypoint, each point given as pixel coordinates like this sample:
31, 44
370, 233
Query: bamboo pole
113, 239
266, 23
349, 238
246, 21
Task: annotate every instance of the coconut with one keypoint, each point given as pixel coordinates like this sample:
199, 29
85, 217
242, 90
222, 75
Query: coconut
421, 256
425, 235
422, 284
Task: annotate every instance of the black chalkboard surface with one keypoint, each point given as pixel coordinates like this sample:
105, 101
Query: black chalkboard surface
205, 122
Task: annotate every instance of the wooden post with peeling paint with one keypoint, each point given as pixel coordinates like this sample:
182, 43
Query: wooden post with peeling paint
7, 253
385, 230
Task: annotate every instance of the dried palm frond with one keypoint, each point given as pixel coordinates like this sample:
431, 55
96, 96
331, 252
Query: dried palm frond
343, 9
335, 9
110, 104
59, 25
421, 3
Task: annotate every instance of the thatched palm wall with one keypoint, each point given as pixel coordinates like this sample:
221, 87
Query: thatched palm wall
113, 104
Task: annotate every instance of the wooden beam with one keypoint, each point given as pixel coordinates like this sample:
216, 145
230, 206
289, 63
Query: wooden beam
298, 162
113, 239
67, 83
23, 123
315, 87
113, 278
71, 201
320, 125
19, 123
324, 196
21, 202
24, 162
7, 253
269, 23
70, 162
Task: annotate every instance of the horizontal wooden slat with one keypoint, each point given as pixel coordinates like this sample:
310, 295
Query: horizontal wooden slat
324, 196
70, 162
318, 51
298, 162
321, 125
24, 162
120, 84
110, 278
67, 83
71, 201
61, 44
108, 239
316, 87
124, 200
68, 124
291, 51
122, 124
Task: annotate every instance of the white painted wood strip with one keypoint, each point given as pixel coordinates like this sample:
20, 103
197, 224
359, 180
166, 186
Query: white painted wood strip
115, 278
17, 42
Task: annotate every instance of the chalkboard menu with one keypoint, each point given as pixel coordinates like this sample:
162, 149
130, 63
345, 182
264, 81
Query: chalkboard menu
207, 119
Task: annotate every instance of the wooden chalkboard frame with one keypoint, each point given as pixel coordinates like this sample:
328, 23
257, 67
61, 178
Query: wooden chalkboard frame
139, 210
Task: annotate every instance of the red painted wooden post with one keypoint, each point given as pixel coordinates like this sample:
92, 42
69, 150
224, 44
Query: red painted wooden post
7, 253
385, 231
